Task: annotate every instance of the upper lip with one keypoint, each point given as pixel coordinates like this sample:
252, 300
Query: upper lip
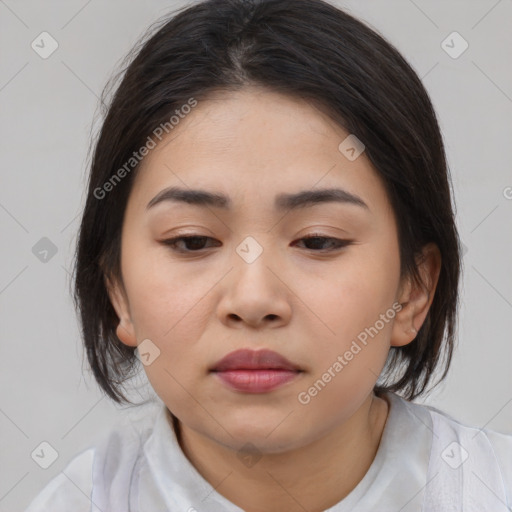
245, 359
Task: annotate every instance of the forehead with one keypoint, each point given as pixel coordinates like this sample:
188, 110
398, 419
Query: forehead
256, 143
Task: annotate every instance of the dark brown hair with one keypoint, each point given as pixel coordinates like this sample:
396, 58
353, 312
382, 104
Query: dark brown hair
308, 49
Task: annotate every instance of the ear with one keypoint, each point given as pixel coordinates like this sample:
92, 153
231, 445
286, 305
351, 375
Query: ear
125, 329
416, 298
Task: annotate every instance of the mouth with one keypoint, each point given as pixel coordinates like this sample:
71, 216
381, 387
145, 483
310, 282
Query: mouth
245, 359
256, 381
252, 371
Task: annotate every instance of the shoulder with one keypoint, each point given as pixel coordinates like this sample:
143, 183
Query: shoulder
483, 456
446, 424
70, 490
502, 446
112, 456
498, 443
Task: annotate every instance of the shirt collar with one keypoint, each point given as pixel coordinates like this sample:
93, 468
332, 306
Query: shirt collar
400, 465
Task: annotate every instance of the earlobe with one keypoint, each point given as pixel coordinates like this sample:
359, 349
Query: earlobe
125, 330
416, 298
126, 334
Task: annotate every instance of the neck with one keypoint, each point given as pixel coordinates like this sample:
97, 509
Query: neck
315, 476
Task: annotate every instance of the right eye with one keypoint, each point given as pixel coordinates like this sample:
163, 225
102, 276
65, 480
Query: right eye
193, 243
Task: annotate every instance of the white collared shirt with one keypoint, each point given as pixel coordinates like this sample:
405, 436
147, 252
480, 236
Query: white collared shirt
426, 461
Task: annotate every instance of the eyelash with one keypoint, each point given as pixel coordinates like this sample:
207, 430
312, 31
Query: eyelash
173, 241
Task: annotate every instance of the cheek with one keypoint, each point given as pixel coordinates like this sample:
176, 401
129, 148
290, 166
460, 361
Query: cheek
167, 299
351, 343
357, 290
352, 303
170, 305
169, 308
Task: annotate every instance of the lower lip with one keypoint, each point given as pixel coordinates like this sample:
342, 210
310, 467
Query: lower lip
256, 381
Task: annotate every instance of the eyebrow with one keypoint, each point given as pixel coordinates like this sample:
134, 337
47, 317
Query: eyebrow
283, 201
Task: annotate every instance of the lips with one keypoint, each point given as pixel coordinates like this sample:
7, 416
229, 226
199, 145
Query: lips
245, 359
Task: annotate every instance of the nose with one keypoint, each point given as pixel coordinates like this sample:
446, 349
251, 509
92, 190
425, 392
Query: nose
256, 295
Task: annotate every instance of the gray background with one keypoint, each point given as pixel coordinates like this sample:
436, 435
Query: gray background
48, 107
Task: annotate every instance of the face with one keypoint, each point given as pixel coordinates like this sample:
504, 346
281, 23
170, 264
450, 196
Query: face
252, 280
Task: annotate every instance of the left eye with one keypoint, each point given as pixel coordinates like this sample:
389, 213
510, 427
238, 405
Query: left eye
196, 243
320, 239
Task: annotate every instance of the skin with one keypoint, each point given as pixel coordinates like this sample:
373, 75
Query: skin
298, 299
